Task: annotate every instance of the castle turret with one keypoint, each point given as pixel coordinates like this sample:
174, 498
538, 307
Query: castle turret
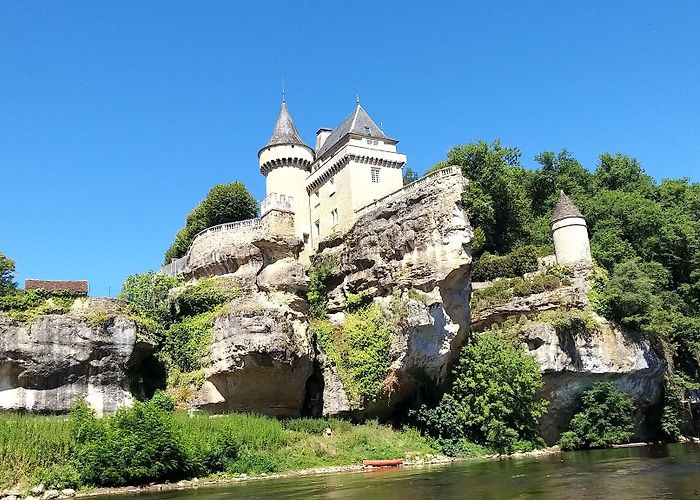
570, 234
285, 161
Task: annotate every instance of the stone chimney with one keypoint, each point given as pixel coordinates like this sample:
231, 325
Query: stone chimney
321, 136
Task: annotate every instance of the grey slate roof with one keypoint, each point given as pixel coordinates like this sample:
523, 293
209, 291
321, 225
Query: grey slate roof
358, 122
564, 208
285, 131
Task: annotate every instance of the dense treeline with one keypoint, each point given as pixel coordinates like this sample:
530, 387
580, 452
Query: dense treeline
645, 237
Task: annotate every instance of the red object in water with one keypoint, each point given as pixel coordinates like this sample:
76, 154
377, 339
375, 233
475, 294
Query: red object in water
382, 463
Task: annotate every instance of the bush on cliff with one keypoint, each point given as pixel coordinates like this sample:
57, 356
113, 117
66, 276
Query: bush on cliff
492, 400
606, 419
516, 263
224, 203
359, 349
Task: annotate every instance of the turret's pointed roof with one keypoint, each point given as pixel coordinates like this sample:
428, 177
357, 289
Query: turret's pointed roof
285, 131
359, 123
564, 208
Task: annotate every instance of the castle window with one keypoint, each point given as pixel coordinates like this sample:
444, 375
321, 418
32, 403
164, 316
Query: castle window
375, 175
315, 200
317, 228
331, 186
334, 217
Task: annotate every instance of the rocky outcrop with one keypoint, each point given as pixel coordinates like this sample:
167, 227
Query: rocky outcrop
412, 254
260, 359
46, 364
573, 355
260, 354
244, 252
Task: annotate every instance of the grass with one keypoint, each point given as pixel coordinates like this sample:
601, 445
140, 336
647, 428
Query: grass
30, 445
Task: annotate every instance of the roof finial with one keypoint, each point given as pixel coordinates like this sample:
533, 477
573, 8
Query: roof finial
357, 99
283, 96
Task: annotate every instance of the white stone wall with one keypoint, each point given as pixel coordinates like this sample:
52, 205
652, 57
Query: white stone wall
571, 244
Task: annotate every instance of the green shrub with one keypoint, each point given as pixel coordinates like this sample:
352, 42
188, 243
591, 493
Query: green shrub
520, 261
360, 351
60, 477
134, 446
676, 411
187, 342
320, 276
492, 400
606, 418
522, 287
308, 425
498, 293
357, 301
204, 295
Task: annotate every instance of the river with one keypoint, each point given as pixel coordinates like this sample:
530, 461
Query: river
669, 471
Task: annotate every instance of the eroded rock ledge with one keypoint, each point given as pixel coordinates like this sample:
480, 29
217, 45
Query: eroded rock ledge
45, 365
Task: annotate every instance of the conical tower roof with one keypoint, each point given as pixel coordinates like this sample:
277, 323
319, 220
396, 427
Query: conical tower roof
285, 131
564, 208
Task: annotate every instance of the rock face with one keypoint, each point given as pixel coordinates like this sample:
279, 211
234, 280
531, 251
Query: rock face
573, 359
46, 365
261, 352
572, 362
261, 357
412, 249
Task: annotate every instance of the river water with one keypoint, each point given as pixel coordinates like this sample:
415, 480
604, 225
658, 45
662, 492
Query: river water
671, 471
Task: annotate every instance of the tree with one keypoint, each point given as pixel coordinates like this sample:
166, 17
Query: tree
606, 419
224, 203
409, 176
492, 400
495, 200
7, 275
622, 173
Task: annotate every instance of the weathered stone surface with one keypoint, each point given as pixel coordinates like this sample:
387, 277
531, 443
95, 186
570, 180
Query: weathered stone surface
260, 359
417, 240
46, 365
573, 361
243, 252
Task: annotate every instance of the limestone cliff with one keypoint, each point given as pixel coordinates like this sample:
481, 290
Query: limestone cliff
92, 352
411, 253
260, 354
575, 348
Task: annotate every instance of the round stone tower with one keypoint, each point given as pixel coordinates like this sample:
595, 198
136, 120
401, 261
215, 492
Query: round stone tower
285, 161
570, 234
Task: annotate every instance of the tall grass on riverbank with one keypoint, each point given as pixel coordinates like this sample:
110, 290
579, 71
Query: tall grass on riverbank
33, 448
29, 444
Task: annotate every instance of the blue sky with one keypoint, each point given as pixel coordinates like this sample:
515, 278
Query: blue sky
117, 117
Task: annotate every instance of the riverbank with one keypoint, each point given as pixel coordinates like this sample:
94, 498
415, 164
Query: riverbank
70, 453
435, 461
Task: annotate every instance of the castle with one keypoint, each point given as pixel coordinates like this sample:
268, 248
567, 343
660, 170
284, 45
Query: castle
350, 167
314, 193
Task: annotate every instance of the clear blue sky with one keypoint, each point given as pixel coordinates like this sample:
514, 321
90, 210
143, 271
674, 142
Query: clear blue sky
117, 117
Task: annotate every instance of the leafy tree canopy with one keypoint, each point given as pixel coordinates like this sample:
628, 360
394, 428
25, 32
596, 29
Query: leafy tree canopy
7, 275
224, 203
493, 397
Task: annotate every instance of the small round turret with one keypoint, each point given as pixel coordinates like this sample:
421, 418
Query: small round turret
570, 234
285, 161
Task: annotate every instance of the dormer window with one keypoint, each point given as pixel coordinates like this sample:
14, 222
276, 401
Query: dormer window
368, 131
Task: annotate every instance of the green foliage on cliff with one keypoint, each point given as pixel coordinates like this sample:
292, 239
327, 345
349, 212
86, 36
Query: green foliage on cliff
606, 418
320, 276
504, 290
224, 203
516, 263
359, 349
492, 400
178, 318
645, 234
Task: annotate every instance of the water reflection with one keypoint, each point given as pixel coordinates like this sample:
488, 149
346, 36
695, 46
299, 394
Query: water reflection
656, 472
